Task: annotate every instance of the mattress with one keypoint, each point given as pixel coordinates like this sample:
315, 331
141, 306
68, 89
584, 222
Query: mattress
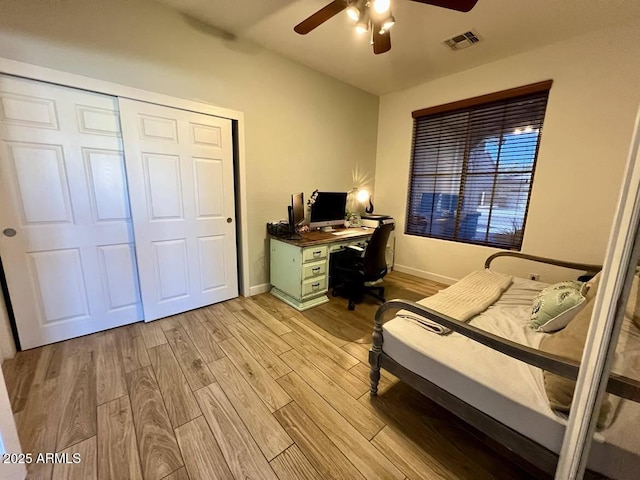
506, 389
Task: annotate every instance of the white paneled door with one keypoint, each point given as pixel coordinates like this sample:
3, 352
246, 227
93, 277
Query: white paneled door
180, 174
66, 237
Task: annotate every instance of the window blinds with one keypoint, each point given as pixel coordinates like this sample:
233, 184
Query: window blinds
472, 167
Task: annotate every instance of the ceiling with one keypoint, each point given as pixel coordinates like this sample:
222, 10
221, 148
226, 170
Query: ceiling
506, 27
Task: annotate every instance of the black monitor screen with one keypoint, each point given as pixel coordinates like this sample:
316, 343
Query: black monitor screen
297, 209
329, 208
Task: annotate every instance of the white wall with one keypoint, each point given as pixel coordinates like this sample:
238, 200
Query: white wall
584, 146
299, 124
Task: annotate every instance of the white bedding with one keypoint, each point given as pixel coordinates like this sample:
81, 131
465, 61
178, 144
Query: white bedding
504, 388
464, 299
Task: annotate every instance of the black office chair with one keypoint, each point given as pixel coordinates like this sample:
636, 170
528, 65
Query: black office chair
356, 267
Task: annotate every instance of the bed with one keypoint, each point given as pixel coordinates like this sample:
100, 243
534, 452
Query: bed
489, 372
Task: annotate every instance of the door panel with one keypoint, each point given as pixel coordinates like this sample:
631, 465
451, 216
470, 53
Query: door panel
172, 269
180, 173
157, 128
119, 275
71, 267
209, 191
107, 184
98, 121
41, 180
212, 262
164, 186
60, 282
208, 135
28, 111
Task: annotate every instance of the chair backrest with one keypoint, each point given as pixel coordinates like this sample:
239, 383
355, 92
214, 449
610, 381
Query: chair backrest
375, 261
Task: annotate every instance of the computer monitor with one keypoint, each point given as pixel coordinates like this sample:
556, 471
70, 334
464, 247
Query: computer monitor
297, 210
328, 209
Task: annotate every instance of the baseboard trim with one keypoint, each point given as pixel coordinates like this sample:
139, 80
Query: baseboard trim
258, 289
424, 274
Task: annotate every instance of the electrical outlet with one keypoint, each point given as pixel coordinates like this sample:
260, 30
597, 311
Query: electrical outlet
534, 276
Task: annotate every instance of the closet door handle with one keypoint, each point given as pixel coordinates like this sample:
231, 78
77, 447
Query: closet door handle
229, 219
9, 232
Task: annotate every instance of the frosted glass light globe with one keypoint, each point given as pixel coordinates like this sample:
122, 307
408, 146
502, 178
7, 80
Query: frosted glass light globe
381, 6
354, 13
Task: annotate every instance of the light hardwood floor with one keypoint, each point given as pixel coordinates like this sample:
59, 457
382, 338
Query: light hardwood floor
248, 388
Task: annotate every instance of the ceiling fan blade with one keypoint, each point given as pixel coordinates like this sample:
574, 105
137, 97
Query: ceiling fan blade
381, 41
320, 17
459, 5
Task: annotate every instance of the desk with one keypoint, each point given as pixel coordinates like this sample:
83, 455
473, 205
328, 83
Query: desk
300, 268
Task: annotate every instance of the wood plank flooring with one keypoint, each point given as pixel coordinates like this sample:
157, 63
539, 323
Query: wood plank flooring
248, 388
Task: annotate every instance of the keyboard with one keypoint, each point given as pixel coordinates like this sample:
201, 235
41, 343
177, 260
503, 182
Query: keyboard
345, 234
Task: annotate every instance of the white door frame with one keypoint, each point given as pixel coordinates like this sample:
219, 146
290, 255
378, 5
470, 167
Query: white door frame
9, 441
43, 74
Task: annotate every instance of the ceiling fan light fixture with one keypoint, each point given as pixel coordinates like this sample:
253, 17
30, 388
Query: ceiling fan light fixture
387, 23
357, 9
377, 16
381, 6
362, 27
363, 23
353, 12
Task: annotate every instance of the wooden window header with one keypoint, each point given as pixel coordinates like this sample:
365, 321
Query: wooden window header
484, 99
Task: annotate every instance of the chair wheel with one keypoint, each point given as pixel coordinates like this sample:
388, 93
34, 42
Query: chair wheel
352, 306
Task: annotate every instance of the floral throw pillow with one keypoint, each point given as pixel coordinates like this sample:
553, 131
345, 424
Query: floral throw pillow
555, 306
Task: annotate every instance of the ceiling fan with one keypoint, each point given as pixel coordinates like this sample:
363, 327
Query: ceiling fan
374, 16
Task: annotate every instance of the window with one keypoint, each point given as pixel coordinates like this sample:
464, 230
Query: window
472, 166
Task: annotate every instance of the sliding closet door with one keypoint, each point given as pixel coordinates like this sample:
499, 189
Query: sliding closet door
66, 237
180, 172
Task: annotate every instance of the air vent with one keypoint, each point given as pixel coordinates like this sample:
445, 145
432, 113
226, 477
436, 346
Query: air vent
463, 40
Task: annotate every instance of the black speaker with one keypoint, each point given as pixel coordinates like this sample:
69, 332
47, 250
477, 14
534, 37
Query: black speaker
290, 218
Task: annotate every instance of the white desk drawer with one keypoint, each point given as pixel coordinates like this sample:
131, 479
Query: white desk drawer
314, 286
314, 269
314, 253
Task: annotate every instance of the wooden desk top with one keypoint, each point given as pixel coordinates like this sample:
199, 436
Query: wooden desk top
317, 237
